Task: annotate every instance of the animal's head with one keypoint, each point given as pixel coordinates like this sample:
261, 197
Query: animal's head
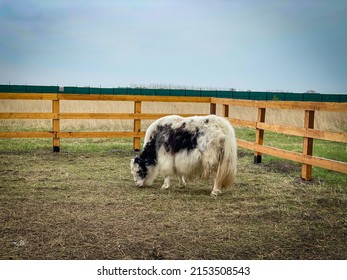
143, 172
143, 167
139, 171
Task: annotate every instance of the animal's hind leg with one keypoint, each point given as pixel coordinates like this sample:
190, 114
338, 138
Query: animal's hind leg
216, 189
166, 184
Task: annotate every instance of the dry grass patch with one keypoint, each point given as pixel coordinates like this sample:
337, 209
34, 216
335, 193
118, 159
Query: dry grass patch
82, 204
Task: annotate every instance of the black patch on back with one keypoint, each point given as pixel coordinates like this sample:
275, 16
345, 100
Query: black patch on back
172, 139
177, 139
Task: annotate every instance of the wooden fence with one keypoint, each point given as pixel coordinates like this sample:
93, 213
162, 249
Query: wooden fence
307, 132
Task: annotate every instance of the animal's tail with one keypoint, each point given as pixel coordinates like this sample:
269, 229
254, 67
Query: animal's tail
227, 167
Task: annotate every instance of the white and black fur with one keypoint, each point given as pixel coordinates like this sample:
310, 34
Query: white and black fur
188, 147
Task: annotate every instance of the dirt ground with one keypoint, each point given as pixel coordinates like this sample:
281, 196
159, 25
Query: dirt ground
84, 205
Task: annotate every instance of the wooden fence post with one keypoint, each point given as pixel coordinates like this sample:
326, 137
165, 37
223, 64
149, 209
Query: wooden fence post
137, 125
56, 125
306, 170
225, 110
213, 108
259, 136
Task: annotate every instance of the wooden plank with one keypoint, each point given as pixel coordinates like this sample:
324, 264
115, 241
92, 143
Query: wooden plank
326, 163
120, 116
45, 134
26, 115
134, 98
186, 99
96, 134
26, 134
246, 144
296, 131
294, 156
329, 106
305, 132
290, 105
28, 96
326, 135
245, 123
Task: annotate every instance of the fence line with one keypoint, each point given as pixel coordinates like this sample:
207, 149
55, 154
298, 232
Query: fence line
307, 132
221, 93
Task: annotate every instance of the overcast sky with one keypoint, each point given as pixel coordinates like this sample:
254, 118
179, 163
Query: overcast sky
287, 45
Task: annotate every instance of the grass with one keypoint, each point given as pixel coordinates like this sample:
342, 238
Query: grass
81, 203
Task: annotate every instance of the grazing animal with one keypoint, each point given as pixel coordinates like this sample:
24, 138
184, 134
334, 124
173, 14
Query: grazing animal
188, 148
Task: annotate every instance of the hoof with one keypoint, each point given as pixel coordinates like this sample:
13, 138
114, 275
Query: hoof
215, 193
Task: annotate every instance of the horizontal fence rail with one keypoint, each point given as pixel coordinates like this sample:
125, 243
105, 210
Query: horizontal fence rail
308, 132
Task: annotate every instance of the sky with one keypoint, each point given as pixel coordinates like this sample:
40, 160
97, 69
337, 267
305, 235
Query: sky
268, 45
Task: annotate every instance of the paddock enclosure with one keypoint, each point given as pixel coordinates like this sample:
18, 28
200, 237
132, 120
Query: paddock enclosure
226, 105
81, 202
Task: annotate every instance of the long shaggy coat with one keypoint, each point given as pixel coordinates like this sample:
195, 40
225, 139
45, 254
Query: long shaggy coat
188, 148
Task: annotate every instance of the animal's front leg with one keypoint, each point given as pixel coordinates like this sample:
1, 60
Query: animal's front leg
181, 181
166, 184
